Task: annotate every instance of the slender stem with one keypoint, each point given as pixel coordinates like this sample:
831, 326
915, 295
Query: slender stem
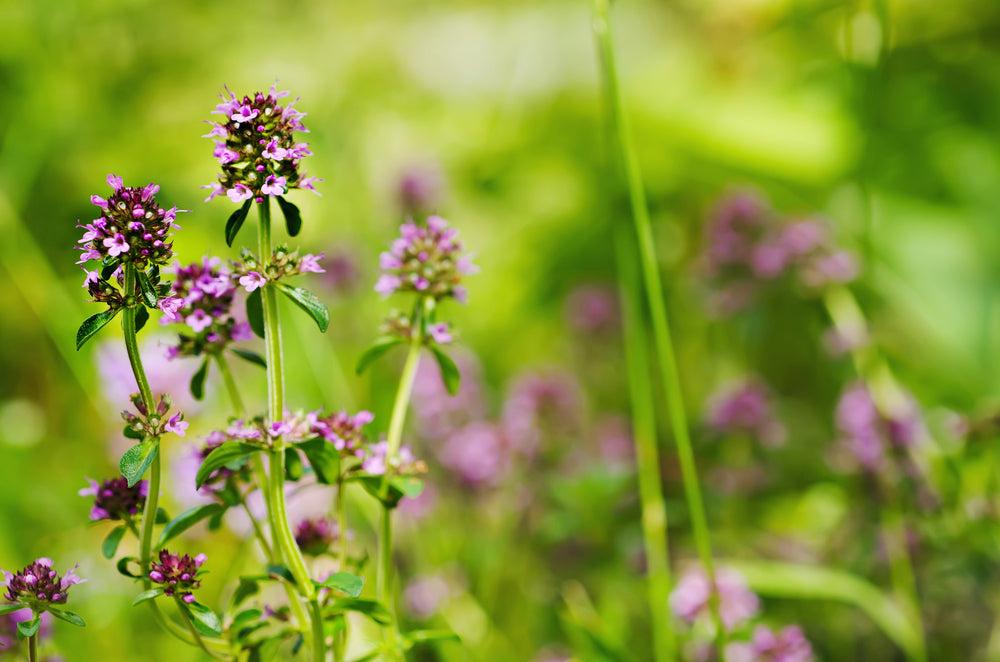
405, 390
181, 607
32, 644
658, 312
227, 378
654, 512
281, 531
258, 532
341, 524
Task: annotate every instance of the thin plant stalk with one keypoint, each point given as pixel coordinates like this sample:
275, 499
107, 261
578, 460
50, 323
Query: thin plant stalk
281, 531
657, 310
195, 633
32, 645
654, 511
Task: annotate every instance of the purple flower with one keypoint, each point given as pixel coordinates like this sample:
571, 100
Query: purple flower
252, 281
477, 454
424, 259
204, 293
745, 408
177, 425
344, 431
377, 462
592, 309
256, 146
789, 645
156, 423
440, 333
114, 499
869, 434
425, 595
199, 320
737, 603
418, 189
178, 574
314, 536
38, 585
540, 404
310, 263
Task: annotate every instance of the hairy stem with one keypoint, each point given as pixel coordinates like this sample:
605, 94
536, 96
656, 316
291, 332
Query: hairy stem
658, 311
281, 531
647, 455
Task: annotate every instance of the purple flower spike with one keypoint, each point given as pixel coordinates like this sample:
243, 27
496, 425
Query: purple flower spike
870, 435
315, 536
745, 408
114, 499
737, 603
38, 585
789, 645
202, 298
256, 148
425, 259
178, 574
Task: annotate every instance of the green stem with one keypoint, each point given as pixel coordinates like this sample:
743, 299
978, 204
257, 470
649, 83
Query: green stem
341, 524
32, 644
281, 531
181, 607
658, 312
405, 390
654, 512
227, 378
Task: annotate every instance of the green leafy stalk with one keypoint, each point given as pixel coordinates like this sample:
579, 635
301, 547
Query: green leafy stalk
281, 531
194, 632
654, 512
657, 308
33, 644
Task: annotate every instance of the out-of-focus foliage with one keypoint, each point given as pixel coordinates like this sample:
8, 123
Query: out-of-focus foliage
882, 116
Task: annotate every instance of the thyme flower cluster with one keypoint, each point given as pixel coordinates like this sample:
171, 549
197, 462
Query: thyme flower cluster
114, 499
38, 585
283, 264
206, 291
156, 423
425, 259
177, 573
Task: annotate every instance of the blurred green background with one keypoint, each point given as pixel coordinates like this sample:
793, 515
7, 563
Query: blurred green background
884, 116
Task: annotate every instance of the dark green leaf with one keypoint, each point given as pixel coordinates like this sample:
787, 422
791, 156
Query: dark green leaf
323, 458
7, 609
344, 582
68, 616
205, 620
147, 595
255, 312
374, 486
161, 516
252, 357
293, 464
424, 636
373, 353
293, 218
449, 371
108, 269
27, 629
146, 288
247, 587
235, 222
198, 381
186, 520
111, 542
92, 325
131, 433
221, 456
279, 571
122, 566
308, 302
141, 317
410, 486
246, 616
137, 459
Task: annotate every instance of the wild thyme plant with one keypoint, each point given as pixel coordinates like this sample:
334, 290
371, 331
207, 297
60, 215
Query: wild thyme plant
37, 588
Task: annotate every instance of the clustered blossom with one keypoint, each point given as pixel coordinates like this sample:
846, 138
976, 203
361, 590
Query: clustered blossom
256, 147
225, 475
38, 585
425, 260
114, 499
156, 423
737, 603
398, 324
344, 431
425, 595
750, 246
788, 645
251, 274
540, 403
132, 227
418, 189
869, 434
315, 536
340, 429
205, 291
178, 574
745, 408
592, 309
403, 463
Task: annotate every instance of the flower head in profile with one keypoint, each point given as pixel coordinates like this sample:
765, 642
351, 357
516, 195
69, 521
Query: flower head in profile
344, 431
252, 274
425, 259
155, 423
255, 145
132, 227
205, 292
178, 574
114, 499
39, 586
377, 462
314, 536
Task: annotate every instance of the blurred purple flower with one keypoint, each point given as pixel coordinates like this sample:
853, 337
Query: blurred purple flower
419, 188
425, 259
745, 408
868, 434
737, 603
438, 413
114, 499
540, 404
477, 454
425, 595
314, 536
592, 309
789, 645
165, 376
343, 274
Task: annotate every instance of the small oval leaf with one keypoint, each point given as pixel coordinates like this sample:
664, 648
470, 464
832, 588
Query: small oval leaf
186, 520
92, 325
205, 620
449, 371
141, 317
146, 288
27, 629
221, 456
375, 352
198, 381
293, 217
308, 302
251, 357
147, 595
110, 545
344, 582
235, 222
136, 460
323, 458
255, 313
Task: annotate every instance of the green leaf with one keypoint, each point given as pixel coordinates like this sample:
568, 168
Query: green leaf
323, 458
27, 629
255, 313
205, 620
252, 357
247, 587
293, 217
147, 595
161, 516
122, 566
308, 302
8, 609
146, 288
130, 433
373, 609
410, 486
789, 580
68, 616
221, 456
425, 636
198, 381
344, 582
373, 353
279, 571
293, 464
246, 616
186, 520
141, 317
368, 657
92, 325
110, 546
235, 222
449, 371
137, 459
